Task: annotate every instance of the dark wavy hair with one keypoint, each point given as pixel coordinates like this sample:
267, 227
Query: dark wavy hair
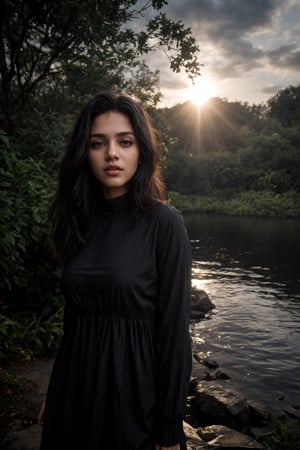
77, 200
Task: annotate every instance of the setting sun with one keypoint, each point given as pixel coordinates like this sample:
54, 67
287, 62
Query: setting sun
201, 91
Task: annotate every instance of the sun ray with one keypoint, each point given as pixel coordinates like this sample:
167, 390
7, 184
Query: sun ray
206, 128
202, 90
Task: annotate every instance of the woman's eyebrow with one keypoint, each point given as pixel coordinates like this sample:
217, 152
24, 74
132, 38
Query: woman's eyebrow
122, 133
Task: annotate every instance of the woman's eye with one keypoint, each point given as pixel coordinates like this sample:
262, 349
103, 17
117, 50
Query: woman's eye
126, 143
97, 144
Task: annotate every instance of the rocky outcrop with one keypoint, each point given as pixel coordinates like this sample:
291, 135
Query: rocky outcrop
220, 437
200, 304
217, 437
194, 441
222, 418
214, 405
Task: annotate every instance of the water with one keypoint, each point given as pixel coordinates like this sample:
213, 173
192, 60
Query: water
250, 269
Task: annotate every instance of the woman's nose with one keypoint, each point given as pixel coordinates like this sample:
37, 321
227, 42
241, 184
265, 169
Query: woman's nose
112, 151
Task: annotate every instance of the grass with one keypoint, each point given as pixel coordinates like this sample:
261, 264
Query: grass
251, 203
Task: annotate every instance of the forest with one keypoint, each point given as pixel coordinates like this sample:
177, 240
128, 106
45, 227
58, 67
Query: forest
236, 158
225, 157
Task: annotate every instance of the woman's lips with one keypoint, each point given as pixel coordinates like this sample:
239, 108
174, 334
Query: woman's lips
113, 170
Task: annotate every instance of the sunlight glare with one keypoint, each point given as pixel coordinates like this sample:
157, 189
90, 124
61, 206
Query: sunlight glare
201, 91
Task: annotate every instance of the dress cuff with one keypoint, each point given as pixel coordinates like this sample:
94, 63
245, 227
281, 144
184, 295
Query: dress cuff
168, 431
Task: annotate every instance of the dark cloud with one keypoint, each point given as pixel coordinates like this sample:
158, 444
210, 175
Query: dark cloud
248, 47
287, 57
228, 25
271, 89
226, 15
237, 58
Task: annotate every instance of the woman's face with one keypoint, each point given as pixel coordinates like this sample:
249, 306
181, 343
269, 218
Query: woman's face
113, 152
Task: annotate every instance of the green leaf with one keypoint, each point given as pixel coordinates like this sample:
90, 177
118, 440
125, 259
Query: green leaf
4, 138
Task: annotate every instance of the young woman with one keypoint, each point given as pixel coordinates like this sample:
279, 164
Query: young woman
120, 378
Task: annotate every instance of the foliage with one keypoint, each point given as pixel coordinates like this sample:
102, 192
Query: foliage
26, 186
252, 168
42, 137
283, 438
215, 127
251, 203
29, 282
32, 335
42, 41
285, 106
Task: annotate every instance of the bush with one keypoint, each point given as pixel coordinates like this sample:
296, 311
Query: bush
30, 296
34, 335
254, 203
25, 189
283, 438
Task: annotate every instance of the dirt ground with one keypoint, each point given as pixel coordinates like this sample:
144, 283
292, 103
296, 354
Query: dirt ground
23, 388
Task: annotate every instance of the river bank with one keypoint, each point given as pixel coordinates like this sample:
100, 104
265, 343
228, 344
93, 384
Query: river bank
248, 203
218, 416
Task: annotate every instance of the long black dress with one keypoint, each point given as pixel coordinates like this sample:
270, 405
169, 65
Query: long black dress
120, 378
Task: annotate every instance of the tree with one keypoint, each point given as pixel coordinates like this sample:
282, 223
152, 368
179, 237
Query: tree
226, 148
215, 127
39, 39
285, 106
79, 82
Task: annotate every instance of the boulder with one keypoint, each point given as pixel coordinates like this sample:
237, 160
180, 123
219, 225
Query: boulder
200, 304
258, 414
221, 437
213, 404
207, 362
207, 369
193, 439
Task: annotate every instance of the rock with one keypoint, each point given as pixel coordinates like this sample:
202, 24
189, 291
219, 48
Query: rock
200, 304
192, 437
212, 404
200, 371
258, 415
219, 436
210, 363
259, 432
292, 412
221, 375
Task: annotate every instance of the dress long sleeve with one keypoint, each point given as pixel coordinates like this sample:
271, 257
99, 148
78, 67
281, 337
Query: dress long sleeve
173, 340
121, 375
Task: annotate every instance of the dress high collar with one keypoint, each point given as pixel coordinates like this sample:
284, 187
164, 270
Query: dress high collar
117, 204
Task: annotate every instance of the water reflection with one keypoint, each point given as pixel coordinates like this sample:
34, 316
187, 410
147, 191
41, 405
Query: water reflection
249, 268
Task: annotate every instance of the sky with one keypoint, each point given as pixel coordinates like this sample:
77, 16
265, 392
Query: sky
250, 49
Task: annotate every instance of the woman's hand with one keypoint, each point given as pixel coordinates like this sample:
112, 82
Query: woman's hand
41, 414
160, 447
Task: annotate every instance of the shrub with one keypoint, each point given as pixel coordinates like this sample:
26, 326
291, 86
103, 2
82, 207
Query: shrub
29, 283
283, 438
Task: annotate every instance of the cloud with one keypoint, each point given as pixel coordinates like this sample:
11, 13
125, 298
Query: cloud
271, 89
285, 57
249, 49
225, 31
238, 58
225, 15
